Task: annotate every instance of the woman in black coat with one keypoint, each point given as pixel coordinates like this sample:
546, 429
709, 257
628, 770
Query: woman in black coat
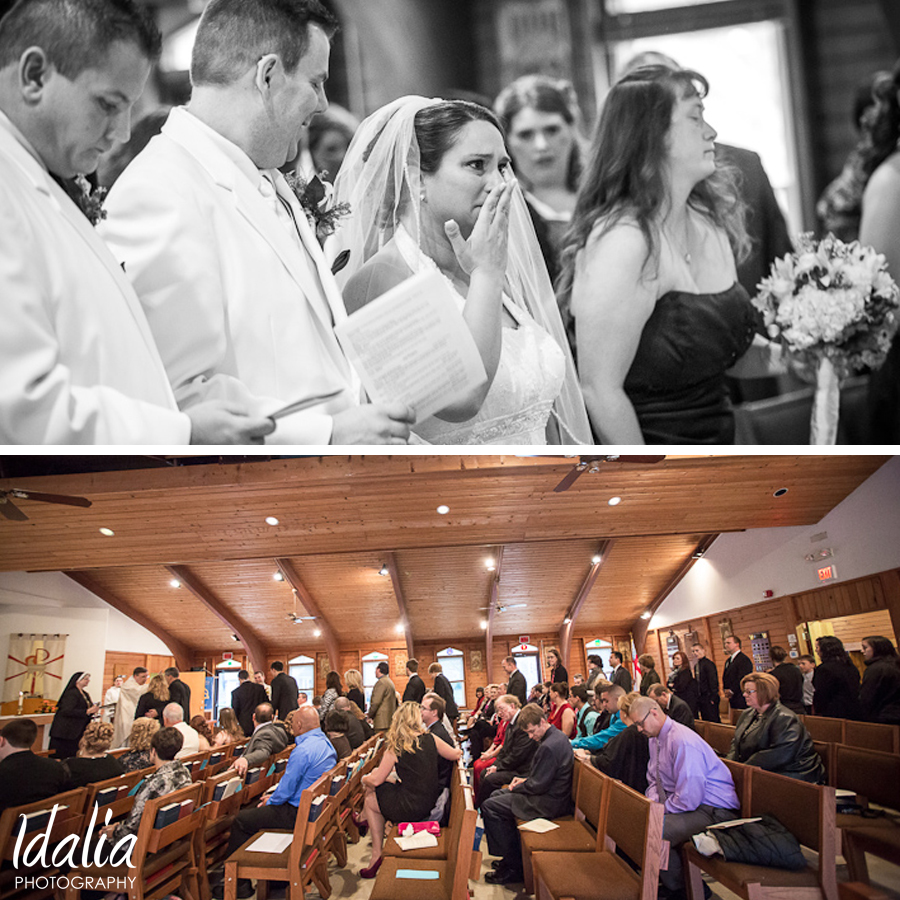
558, 671
836, 681
682, 683
790, 681
73, 712
879, 695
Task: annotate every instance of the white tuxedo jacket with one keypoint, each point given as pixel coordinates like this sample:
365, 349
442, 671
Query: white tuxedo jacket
235, 305
77, 360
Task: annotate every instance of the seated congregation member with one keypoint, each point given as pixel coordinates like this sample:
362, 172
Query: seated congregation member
480, 699
515, 680
73, 713
415, 687
333, 690
433, 710
203, 729
268, 737
383, 704
356, 736
681, 682
620, 675
835, 681
488, 756
686, 776
482, 726
879, 694
313, 756
597, 703
170, 775
790, 681
152, 703
93, 762
585, 714
443, 688
173, 717
609, 701
414, 751
770, 735
674, 706
25, 777
239, 297
513, 758
138, 756
649, 675
545, 793
230, 729
708, 683
335, 728
245, 698
561, 715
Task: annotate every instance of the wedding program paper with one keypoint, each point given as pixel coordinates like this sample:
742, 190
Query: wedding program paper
412, 345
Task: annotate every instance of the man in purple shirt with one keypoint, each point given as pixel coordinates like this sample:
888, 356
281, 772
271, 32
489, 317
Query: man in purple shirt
686, 776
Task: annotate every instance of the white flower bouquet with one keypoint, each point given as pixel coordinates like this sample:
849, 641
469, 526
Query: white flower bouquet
833, 307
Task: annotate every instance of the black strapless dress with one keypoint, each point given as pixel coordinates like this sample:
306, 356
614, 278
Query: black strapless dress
677, 379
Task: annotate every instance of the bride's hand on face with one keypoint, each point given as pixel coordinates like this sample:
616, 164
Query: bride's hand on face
486, 247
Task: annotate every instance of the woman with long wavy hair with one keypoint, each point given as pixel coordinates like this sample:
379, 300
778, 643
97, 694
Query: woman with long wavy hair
355, 692
153, 701
229, 728
835, 680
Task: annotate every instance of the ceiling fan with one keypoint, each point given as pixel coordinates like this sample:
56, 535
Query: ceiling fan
592, 464
502, 607
298, 619
11, 511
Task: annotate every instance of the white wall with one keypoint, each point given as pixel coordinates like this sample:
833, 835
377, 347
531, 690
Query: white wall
863, 531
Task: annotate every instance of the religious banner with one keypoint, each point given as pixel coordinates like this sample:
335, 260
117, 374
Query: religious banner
34, 666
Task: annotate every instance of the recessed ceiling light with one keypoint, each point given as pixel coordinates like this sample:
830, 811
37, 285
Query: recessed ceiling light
399, 628
443, 510
780, 492
317, 633
483, 625
567, 620
646, 615
175, 583
271, 520
595, 559
384, 570
107, 531
277, 576
614, 501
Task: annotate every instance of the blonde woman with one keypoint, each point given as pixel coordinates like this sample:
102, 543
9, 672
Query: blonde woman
93, 762
414, 751
355, 692
154, 700
138, 756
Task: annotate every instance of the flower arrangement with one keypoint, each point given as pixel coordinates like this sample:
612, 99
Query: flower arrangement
47, 706
316, 196
90, 199
832, 306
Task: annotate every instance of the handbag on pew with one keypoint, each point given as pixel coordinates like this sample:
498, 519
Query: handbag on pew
761, 841
430, 827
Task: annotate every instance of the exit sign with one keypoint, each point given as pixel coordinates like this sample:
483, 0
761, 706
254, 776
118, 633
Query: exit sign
827, 573
524, 638
228, 655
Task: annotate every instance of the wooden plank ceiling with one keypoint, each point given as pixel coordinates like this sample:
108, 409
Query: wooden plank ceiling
342, 518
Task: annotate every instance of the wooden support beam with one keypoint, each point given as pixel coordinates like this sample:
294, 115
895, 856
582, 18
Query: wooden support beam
391, 562
493, 600
639, 628
312, 608
890, 586
568, 625
235, 624
182, 653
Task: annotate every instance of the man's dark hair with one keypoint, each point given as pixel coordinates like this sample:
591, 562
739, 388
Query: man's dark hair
596, 660
777, 654
617, 656
438, 704
511, 661
579, 691
234, 35
167, 742
76, 34
383, 667
265, 712
277, 666
243, 675
531, 714
21, 733
412, 664
138, 670
736, 639
172, 672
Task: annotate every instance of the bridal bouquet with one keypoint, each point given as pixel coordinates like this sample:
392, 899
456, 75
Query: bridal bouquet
833, 307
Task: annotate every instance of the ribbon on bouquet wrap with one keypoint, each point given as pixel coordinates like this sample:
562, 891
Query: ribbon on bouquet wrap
826, 404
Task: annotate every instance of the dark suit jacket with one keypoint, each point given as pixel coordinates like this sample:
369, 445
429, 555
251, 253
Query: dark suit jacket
790, 687
355, 733
707, 678
267, 739
26, 778
244, 700
415, 688
735, 670
444, 690
679, 711
622, 677
547, 792
517, 752
284, 694
517, 686
180, 693
445, 766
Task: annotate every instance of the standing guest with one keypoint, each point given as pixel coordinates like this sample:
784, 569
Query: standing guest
557, 671
284, 690
138, 756
681, 681
24, 776
708, 684
245, 698
129, 696
790, 681
414, 751
328, 137
879, 695
836, 681
770, 736
355, 692
179, 692
333, 690
173, 717
609, 702
585, 714
73, 712
620, 675
675, 708
415, 687
268, 738
595, 671
93, 762
737, 666
335, 727
513, 757
260, 679
807, 666
230, 729
561, 714
686, 776
443, 688
153, 702
356, 734
111, 697
78, 364
312, 757
649, 675
202, 727
545, 793
384, 699
234, 284
649, 268
515, 683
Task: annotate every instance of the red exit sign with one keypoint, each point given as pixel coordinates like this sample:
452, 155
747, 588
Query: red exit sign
826, 573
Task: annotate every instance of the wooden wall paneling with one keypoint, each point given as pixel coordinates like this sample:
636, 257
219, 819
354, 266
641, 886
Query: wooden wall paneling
890, 584
852, 629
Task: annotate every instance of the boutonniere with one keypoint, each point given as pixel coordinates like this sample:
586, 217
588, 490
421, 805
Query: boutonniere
316, 196
90, 199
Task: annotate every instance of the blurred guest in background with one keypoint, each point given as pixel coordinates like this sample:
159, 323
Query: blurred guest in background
836, 681
879, 695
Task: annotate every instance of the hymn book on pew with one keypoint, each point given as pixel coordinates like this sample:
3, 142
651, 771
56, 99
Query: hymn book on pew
316, 807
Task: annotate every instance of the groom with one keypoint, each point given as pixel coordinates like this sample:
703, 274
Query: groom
234, 284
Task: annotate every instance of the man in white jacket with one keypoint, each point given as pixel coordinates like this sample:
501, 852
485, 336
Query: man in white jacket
78, 363
237, 291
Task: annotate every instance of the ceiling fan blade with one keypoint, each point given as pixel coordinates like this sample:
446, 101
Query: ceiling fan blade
635, 459
9, 510
50, 498
569, 479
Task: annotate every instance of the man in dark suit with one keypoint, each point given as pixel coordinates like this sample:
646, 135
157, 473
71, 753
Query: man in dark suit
284, 691
179, 692
620, 675
444, 690
245, 698
25, 777
268, 737
415, 687
514, 758
515, 680
737, 666
708, 680
433, 709
356, 733
675, 708
545, 793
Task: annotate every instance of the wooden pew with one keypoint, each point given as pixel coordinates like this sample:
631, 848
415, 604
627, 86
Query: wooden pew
822, 728
872, 736
719, 737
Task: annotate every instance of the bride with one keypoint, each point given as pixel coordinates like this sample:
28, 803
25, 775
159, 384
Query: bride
430, 187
